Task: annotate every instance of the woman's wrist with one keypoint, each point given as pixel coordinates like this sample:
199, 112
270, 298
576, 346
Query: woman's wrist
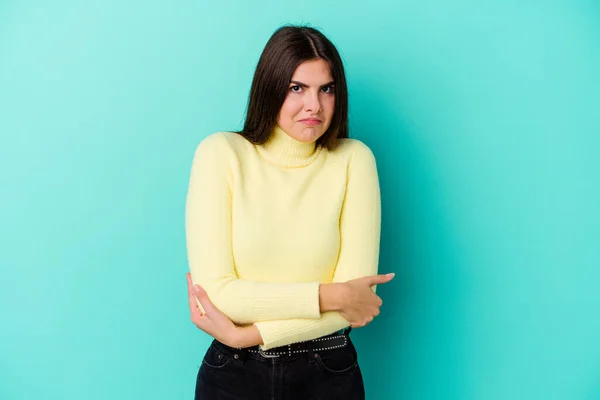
246, 336
331, 296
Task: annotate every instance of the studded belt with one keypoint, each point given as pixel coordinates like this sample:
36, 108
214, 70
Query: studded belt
330, 342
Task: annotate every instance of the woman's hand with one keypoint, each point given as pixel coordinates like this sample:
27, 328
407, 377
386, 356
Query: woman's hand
214, 322
359, 304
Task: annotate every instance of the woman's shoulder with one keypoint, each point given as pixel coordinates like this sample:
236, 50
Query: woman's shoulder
222, 141
350, 148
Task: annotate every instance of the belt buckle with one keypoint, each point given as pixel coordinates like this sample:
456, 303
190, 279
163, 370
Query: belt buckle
265, 355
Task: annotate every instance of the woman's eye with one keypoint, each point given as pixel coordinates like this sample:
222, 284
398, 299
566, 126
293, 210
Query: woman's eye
295, 88
327, 89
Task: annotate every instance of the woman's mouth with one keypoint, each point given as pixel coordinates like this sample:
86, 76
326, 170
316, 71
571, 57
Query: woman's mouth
311, 121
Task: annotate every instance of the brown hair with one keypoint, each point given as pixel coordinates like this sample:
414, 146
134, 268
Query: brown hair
287, 48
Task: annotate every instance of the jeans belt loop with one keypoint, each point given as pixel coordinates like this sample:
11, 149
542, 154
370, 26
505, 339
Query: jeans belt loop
309, 348
243, 354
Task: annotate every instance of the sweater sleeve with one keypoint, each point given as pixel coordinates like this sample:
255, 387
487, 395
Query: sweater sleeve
360, 227
209, 247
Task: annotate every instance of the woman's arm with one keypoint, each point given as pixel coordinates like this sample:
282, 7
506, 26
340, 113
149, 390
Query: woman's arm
360, 226
208, 237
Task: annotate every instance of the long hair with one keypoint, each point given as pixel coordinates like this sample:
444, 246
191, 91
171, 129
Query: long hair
287, 48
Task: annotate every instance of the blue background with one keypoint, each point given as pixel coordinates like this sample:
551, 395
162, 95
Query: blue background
483, 116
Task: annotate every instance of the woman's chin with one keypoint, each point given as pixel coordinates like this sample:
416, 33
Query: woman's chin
309, 134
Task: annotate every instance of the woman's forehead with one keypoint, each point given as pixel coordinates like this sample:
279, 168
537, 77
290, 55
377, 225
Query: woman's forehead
313, 72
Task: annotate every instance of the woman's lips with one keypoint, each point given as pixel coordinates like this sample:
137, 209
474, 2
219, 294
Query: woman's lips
311, 121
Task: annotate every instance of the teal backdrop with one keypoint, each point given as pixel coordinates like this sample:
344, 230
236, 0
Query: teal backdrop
484, 117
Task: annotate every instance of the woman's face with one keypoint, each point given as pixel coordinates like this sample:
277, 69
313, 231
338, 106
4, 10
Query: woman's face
308, 108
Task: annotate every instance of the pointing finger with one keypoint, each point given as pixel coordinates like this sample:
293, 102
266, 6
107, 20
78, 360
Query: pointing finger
378, 279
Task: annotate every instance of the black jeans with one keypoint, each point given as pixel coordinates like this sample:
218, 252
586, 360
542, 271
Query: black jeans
231, 374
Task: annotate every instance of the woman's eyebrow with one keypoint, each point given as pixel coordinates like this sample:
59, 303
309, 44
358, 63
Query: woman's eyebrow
304, 85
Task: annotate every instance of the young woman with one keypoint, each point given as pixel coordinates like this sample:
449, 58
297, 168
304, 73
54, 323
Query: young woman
283, 226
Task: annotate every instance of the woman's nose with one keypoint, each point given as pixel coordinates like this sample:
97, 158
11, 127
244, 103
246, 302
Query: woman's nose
312, 102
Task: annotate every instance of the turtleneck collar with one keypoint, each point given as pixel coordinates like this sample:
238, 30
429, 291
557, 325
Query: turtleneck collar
284, 150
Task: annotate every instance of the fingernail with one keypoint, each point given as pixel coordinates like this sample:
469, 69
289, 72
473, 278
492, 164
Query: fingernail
391, 274
196, 288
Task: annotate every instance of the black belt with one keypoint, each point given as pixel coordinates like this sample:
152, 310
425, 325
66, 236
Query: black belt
334, 341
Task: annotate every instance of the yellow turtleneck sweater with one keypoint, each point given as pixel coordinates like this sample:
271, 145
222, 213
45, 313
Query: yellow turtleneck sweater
266, 224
